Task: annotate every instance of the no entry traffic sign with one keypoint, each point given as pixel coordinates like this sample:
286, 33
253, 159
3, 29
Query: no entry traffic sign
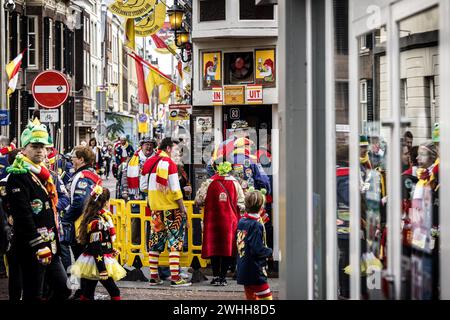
50, 89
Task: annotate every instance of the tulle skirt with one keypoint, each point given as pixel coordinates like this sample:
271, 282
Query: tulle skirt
86, 268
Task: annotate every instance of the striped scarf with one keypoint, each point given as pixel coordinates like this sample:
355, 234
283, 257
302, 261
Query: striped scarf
133, 171
5, 150
426, 176
162, 173
45, 177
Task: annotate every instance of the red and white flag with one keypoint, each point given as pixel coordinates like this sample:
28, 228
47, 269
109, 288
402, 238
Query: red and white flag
12, 69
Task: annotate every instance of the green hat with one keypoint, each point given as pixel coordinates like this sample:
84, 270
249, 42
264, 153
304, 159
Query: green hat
35, 132
363, 140
436, 133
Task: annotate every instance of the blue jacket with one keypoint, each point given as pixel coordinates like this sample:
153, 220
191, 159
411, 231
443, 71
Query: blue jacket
80, 189
65, 170
252, 252
63, 195
3, 165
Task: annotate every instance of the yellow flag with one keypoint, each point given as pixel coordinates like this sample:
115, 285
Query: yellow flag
165, 88
132, 8
130, 40
151, 23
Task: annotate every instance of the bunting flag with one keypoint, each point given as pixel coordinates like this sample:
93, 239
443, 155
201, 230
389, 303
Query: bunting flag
163, 47
12, 70
130, 36
150, 77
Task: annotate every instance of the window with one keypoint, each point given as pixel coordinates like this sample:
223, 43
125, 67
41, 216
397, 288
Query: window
248, 10
239, 68
403, 97
363, 99
212, 10
87, 28
33, 41
433, 103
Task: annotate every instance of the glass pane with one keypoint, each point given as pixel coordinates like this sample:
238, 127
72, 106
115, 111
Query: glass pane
419, 76
373, 107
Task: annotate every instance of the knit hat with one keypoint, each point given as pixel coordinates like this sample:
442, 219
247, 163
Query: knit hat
363, 140
436, 133
35, 132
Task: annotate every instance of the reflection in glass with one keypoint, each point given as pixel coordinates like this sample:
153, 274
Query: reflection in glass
419, 73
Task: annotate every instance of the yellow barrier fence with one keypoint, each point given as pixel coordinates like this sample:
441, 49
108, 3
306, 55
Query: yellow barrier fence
132, 220
117, 208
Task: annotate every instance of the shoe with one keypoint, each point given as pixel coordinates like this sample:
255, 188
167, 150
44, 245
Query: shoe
155, 281
180, 283
215, 281
223, 282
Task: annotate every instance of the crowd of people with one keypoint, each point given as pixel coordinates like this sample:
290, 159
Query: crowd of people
56, 221
419, 212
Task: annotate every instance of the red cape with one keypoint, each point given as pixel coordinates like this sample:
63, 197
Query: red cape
221, 219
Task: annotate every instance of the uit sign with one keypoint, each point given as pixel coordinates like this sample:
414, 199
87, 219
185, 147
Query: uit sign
254, 94
234, 95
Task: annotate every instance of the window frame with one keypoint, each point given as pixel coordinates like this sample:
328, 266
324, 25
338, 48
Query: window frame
35, 20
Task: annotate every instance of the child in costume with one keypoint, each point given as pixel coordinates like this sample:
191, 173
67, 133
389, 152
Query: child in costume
98, 261
252, 249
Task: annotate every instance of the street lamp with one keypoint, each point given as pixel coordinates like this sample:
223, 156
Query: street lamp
176, 14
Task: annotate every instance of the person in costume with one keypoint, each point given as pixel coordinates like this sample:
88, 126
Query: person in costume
252, 249
424, 216
122, 152
98, 261
32, 198
83, 181
168, 212
133, 182
98, 162
223, 199
5, 148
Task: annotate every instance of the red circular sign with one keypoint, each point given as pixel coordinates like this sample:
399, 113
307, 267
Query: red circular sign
50, 89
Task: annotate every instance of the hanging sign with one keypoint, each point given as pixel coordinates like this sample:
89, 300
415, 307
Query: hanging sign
217, 96
4, 118
152, 22
234, 94
132, 9
179, 111
142, 123
254, 94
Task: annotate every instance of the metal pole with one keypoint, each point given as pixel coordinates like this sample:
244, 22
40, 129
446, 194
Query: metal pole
354, 111
330, 140
444, 169
3, 80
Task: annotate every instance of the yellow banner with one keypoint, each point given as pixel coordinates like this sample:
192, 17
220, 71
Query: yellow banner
132, 8
153, 22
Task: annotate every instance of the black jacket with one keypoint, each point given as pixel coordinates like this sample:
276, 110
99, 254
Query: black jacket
32, 212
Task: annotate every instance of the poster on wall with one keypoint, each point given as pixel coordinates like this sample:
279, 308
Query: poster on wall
265, 67
212, 69
203, 125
